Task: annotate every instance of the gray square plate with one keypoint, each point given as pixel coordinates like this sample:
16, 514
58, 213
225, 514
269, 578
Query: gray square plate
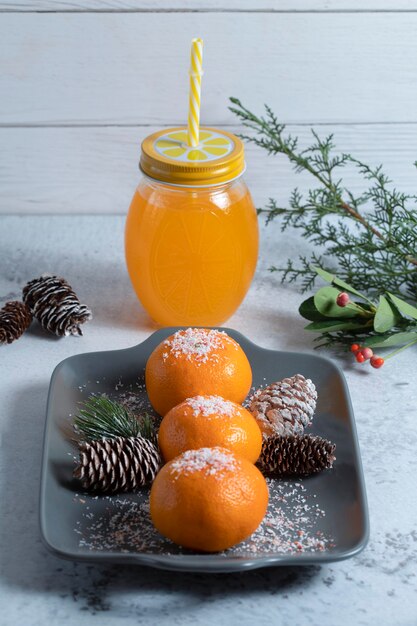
327, 512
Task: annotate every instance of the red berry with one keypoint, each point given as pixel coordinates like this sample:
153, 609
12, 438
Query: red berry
342, 299
360, 358
367, 353
355, 347
377, 361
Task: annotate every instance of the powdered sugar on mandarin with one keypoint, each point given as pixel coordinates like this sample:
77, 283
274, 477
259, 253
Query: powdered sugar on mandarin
211, 406
213, 461
197, 344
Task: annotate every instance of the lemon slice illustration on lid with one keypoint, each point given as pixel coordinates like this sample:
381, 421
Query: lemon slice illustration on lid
166, 156
212, 145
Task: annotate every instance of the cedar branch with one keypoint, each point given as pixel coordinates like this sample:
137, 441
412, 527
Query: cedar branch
374, 230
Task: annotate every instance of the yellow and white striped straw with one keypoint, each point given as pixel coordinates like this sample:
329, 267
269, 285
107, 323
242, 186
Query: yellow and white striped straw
196, 72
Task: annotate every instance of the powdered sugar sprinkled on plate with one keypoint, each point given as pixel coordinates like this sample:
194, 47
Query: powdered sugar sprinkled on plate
294, 522
292, 525
196, 344
211, 406
213, 461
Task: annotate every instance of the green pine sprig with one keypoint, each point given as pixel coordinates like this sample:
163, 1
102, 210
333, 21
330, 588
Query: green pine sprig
102, 418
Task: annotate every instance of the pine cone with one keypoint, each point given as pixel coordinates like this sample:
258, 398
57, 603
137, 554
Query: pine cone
296, 455
115, 465
15, 318
55, 305
285, 407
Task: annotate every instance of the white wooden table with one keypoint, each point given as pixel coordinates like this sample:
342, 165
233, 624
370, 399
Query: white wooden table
377, 587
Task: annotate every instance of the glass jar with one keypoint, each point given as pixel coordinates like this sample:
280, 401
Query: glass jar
191, 231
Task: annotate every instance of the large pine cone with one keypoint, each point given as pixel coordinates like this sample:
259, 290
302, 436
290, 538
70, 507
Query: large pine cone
285, 407
15, 318
55, 305
296, 455
116, 465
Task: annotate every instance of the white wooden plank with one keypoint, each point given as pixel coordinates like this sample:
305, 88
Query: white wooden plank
209, 5
132, 68
94, 170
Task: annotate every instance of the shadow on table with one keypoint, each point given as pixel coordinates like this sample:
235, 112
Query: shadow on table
29, 566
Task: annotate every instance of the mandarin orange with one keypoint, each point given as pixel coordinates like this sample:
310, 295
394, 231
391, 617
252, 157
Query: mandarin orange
196, 361
206, 421
208, 499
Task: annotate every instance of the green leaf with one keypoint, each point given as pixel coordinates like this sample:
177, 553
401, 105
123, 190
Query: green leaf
397, 339
341, 283
386, 315
332, 278
404, 307
330, 326
327, 276
309, 312
325, 303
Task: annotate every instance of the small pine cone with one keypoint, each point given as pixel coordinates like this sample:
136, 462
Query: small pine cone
116, 465
285, 407
15, 318
296, 455
55, 305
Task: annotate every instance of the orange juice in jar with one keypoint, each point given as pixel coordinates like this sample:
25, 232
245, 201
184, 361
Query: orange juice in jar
191, 231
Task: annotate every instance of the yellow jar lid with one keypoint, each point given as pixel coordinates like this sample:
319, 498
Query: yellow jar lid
218, 158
